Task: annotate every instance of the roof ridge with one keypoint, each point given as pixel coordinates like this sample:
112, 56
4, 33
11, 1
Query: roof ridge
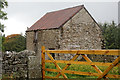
66, 9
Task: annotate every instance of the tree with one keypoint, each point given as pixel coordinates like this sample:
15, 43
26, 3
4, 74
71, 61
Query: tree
3, 15
111, 34
0, 42
15, 42
3, 4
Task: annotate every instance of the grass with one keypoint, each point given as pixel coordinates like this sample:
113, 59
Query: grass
83, 68
73, 67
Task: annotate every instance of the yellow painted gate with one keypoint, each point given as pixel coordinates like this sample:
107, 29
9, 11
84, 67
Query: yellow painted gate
77, 53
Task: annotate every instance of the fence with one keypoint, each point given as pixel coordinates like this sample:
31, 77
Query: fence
62, 72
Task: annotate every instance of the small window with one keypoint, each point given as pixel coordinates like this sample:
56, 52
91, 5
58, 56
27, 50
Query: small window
35, 36
53, 54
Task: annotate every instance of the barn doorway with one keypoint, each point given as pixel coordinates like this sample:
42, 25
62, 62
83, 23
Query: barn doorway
53, 54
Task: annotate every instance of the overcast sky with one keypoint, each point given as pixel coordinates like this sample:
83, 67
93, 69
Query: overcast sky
23, 14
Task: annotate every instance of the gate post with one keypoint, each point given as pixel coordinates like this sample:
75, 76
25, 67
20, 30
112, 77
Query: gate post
43, 62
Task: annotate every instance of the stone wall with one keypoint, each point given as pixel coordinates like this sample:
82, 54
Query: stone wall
80, 32
29, 40
49, 39
21, 65
103, 58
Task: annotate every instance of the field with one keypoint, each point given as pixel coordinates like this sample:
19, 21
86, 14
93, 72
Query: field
83, 68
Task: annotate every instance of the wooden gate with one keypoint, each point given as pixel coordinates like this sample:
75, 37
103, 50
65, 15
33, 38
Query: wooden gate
77, 53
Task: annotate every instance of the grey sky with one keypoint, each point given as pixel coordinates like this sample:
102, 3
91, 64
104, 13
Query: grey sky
119, 12
24, 14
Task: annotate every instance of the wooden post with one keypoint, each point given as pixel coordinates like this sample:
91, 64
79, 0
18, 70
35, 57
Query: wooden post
43, 62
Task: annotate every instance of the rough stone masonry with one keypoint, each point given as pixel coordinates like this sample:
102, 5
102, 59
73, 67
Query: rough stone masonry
21, 65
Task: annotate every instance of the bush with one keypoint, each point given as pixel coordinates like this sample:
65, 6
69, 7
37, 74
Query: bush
111, 35
15, 42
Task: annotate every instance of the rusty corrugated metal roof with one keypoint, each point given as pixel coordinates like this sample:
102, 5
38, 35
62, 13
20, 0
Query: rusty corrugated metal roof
55, 19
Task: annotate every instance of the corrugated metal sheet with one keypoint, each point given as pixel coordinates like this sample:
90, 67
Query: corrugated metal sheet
55, 19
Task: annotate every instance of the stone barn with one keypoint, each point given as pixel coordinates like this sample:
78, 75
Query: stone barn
71, 28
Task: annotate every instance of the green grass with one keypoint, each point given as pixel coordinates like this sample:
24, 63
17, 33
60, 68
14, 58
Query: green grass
73, 67
83, 68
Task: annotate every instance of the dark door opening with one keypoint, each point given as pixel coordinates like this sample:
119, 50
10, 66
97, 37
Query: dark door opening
53, 54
